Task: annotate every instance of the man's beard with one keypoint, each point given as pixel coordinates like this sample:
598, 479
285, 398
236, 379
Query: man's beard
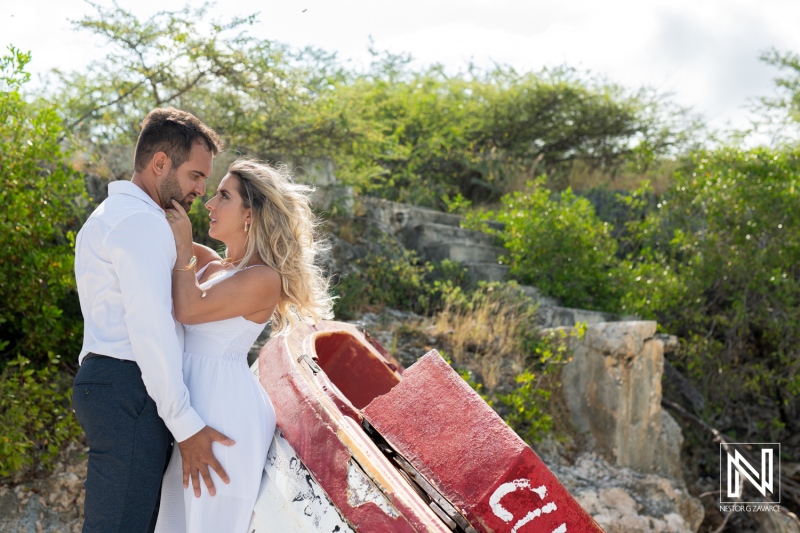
171, 190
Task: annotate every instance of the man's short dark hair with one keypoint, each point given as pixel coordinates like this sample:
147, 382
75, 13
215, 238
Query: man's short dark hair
173, 132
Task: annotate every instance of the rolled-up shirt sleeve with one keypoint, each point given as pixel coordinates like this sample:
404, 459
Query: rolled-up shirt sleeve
142, 250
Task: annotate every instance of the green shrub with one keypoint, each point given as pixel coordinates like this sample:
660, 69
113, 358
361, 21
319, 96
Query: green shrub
39, 193
559, 245
527, 415
396, 131
402, 282
719, 266
528, 405
35, 414
40, 315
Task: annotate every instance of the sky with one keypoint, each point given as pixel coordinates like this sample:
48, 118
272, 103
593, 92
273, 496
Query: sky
704, 53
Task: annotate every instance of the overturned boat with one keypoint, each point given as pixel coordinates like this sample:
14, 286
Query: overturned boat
365, 446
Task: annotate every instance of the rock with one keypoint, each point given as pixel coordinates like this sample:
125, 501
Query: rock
319, 172
555, 316
437, 236
669, 445
624, 501
613, 389
487, 271
671, 342
772, 522
398, 218
544, 301
51, 504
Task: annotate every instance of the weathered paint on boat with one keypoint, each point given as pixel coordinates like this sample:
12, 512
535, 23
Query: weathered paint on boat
322, 424
291, 501
431, 428
470, 456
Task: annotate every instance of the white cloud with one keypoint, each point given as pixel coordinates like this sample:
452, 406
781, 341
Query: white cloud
704, 52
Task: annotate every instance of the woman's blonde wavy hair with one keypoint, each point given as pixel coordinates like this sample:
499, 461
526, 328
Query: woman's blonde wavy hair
282, 234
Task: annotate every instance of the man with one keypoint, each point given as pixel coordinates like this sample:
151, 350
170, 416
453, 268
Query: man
129, 393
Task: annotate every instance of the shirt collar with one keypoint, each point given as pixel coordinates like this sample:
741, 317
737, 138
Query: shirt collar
126, 187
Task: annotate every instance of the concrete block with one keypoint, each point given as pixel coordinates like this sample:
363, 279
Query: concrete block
613, 389
491, 271
463, 253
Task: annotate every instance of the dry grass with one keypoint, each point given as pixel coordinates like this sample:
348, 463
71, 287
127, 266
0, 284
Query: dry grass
346, 231
486, 333
584, 177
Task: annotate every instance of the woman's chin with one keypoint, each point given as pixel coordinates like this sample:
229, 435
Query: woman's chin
215, 235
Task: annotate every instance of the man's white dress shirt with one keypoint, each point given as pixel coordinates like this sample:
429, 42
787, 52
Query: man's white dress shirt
124, 256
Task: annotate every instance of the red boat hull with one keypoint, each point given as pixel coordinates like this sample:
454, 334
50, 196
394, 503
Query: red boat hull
323, 381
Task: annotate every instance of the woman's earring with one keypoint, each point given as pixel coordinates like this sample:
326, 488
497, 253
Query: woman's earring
246, 226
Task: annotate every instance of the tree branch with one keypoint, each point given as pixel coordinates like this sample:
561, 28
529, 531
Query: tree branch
94, 110
789, 487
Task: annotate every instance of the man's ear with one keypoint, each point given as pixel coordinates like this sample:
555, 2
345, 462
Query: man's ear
161, 163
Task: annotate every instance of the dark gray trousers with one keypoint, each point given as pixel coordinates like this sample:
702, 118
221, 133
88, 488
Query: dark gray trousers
129, 446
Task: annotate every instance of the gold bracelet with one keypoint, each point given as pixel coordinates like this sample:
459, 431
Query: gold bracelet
192, 263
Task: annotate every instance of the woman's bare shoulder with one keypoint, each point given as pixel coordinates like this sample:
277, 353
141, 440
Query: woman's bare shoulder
263, 275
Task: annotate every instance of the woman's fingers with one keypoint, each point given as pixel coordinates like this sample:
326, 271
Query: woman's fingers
179, 208
179, 223
173, 216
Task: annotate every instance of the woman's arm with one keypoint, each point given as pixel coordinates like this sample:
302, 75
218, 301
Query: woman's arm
245, 293
204, 255
257, 289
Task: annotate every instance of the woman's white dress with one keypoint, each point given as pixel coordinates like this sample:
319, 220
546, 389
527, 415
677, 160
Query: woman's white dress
228, 398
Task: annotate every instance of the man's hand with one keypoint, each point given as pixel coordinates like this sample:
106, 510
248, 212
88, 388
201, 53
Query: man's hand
197, 456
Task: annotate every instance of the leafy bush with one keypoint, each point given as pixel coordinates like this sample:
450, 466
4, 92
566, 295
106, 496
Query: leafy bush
529, 410
401, 282
559, 245
527, 413
35, 414
39, 193
40, 316
718, 266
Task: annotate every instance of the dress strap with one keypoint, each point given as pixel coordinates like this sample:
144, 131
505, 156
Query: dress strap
251, 266
200, 272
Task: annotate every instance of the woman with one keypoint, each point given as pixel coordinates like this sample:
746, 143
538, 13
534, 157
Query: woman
267, 226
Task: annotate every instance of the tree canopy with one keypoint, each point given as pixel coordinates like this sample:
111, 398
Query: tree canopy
393, 131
